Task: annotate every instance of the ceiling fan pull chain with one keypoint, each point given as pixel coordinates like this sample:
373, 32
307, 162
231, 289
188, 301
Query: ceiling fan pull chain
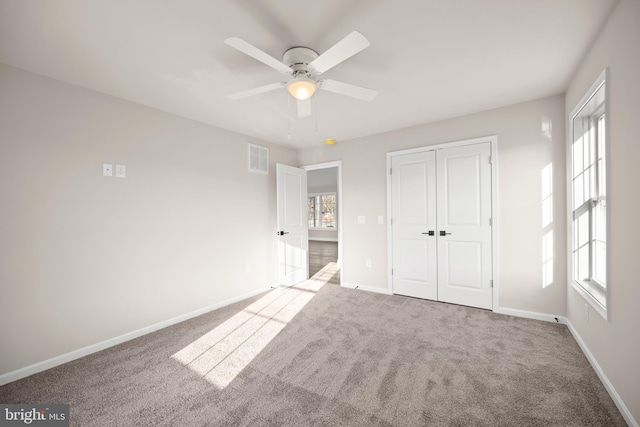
315, 107
288, 116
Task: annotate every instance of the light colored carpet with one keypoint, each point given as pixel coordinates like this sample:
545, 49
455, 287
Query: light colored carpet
340, 357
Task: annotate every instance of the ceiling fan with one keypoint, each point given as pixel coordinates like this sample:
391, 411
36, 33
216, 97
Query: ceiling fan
304, 65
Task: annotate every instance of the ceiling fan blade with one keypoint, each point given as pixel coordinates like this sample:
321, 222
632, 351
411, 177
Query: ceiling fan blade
344, 49
256, 53
304, 107
348, 89
256, 91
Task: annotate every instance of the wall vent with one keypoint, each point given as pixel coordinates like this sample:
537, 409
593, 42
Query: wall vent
258, 159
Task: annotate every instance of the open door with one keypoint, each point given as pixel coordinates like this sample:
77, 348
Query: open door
292, 225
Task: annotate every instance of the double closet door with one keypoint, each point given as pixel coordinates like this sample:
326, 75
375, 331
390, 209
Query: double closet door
441, 225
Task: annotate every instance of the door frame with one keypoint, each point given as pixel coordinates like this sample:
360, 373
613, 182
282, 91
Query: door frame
493, 140
327, 165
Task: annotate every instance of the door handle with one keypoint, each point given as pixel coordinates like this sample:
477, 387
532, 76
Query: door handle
430, 233
281, 233
444, 233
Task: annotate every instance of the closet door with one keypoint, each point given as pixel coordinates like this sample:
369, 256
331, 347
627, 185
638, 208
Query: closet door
413, 189
464, 225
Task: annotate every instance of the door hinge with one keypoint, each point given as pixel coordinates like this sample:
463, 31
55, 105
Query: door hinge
490, 160
390, 171
491, 283
392, 271
490, 222
391, 221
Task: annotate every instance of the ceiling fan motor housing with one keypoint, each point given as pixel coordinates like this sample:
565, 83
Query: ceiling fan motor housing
299, 58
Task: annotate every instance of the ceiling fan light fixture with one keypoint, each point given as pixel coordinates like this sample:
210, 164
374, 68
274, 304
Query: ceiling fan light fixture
302, 87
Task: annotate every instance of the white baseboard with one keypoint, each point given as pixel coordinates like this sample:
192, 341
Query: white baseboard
367, 288
85, 351
93, 348
603, 378
583, 346
530, 315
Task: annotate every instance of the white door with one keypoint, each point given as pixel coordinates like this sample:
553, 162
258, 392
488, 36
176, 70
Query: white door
292, 225
414, 225
464, 225
441, 225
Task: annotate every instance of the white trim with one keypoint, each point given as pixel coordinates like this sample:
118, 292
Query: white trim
451, 144
367, 288
530, 315
583, 291
493, 140
494, 220
626, 413
94, 348
583, 346
327, 165
389, 227
323, 239
322, 193
603, 78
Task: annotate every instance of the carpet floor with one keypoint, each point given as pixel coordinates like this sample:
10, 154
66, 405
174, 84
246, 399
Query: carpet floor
331, 356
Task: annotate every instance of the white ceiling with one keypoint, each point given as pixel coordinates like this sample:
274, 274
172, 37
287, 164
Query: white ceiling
429, 59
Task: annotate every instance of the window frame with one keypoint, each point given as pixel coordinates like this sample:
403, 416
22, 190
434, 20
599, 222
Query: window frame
315, 195
593, 291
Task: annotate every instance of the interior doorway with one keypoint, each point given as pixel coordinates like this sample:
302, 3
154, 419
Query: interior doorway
324, 196
320, 254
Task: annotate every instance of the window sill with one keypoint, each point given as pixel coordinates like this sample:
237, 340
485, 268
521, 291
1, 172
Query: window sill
593, 295
323, 229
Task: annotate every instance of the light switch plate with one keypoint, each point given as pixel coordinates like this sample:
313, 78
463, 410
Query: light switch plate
121, 171
107, 169
361, 219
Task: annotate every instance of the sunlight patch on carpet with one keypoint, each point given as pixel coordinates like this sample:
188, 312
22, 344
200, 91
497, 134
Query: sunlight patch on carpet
221, 354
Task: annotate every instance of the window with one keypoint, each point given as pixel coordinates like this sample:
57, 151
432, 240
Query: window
588, 195
322, 211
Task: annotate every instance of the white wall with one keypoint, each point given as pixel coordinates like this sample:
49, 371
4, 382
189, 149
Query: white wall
616, 343
85, 258
522, 155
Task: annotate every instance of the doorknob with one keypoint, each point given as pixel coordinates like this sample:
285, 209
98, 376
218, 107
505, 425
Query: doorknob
281, 233
444, 233
430, 233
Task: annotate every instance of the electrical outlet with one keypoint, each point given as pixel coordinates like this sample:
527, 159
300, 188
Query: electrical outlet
107, 169
368, 263
121, 171
586, 312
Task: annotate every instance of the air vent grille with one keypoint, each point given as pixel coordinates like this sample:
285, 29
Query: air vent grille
258, 159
